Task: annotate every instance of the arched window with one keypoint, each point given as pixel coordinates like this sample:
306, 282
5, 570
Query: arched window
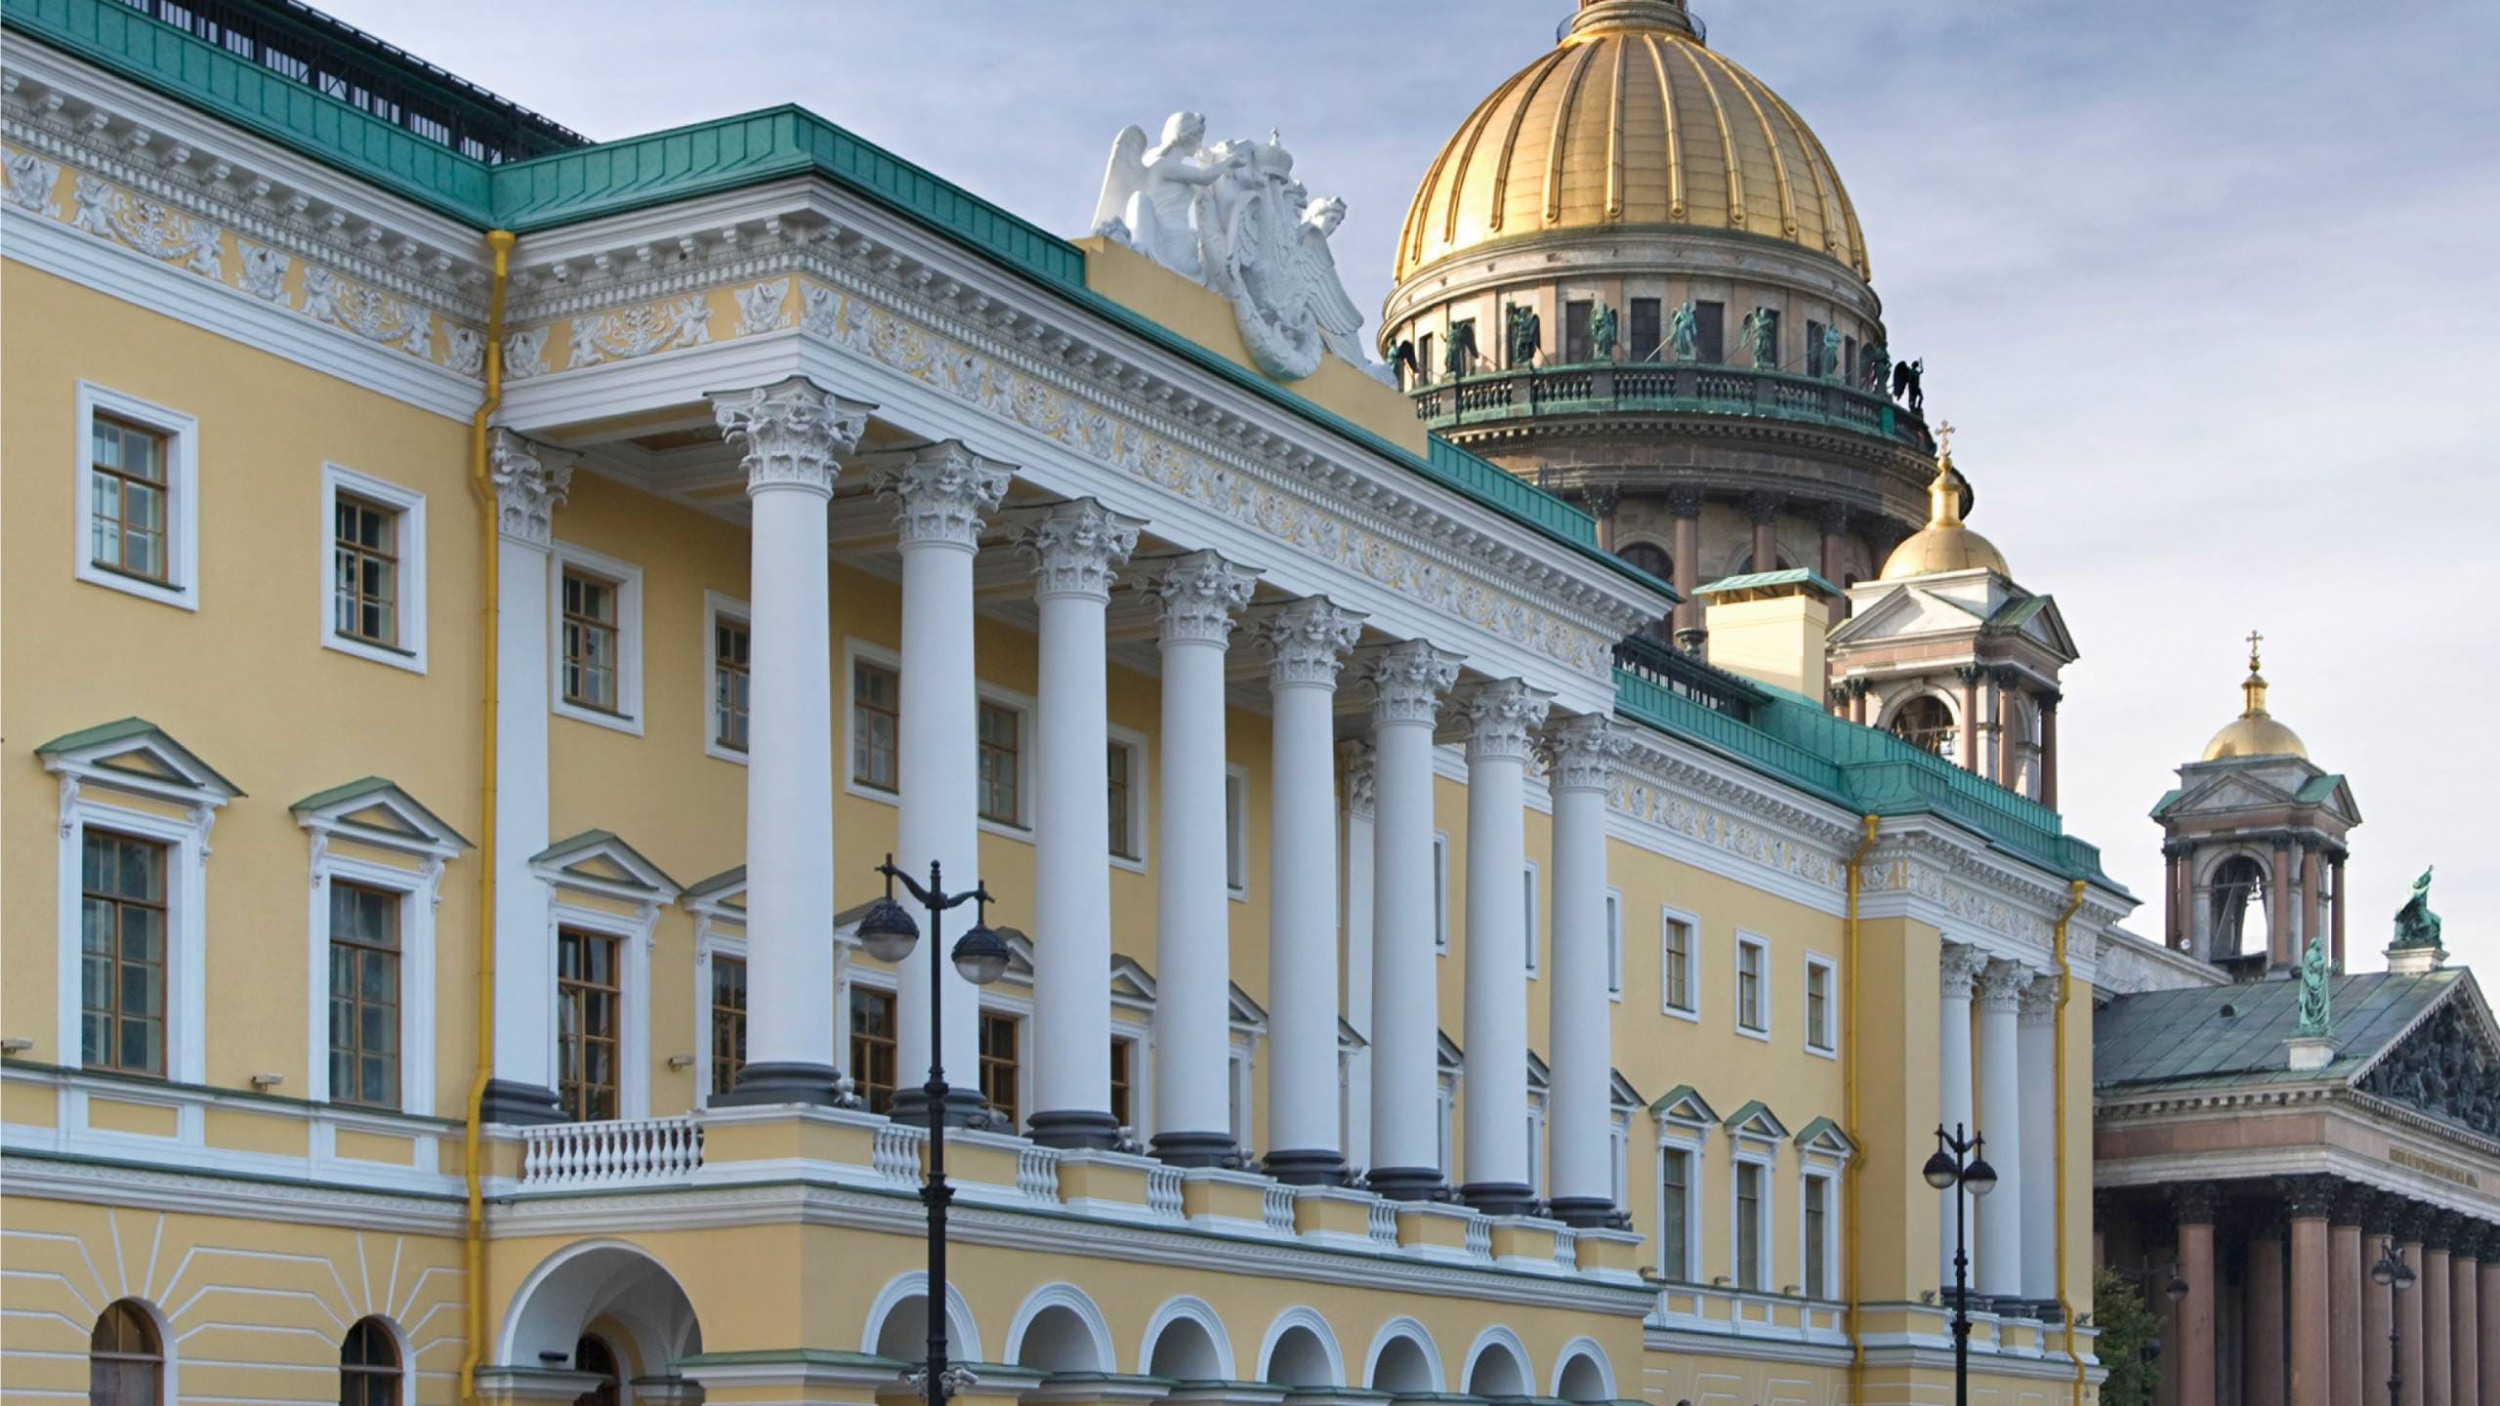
1652, 558
2239, 883
594, 1356
125, 1359
1926, 723
369, 1365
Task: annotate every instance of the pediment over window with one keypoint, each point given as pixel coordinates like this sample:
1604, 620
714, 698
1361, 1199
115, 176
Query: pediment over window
375, 811
1621, 1094
136, 755
1449, 1056
1540, 1078
1246, 1013
723, 897
1348, 1038
1823, 1137
1130, 985
2447, 1065
1683, 1104
1906, 613
1756, 1120
596, 861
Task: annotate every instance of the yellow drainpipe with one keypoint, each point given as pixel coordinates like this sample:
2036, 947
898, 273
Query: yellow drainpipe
500, 243
1849, 1078
2065, 993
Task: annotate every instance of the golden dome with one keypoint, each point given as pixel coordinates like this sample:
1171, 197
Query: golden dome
1944, 544
1632, 120
2254, 733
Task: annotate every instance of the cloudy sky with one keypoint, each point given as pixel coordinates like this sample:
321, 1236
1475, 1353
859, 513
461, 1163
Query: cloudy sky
2209, 289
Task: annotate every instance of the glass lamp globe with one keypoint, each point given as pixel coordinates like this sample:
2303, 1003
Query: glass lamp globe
887, 931
981, 955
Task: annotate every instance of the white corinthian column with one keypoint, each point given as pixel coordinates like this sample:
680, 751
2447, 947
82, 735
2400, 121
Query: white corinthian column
1407, 682
1958, 968
939, 497
1306, 643
1074, 548
1198, 594
793, 432
1583, 751
1999, 1064
530, 481
2038, 1025
1501, 719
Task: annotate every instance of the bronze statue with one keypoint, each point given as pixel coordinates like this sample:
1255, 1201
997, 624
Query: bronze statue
1402, 361
1460, 357
1527, 336
2416, 924
1909, 378
1684, 333
1874, 364
1761, 330
1602, 331
2317, 1020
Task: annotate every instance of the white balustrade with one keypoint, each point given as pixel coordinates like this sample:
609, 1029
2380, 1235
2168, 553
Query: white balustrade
894, 1153
641, 1152
1037, 1173
1382, 1223
1479, 1237
1163, 1192
1567, 1249
1276, 1208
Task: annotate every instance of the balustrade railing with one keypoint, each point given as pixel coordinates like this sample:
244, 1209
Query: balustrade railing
1690, 387
894, 1153
1276, 1208
1567, 1248
622, 1153
1037, 1173
1381, 1222
1163, 1192
1479, 1237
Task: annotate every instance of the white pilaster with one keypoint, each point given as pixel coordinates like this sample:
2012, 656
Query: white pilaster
1356, 758
2037, 1024
1407, 682
1501, 720
2001, 1117
1198, 595
1958, 969
940, 496
530, 481
1580, 1117
794, 434
1074, 548
1306, 642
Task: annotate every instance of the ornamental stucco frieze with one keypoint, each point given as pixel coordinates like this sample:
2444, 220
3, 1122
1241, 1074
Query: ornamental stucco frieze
531, 481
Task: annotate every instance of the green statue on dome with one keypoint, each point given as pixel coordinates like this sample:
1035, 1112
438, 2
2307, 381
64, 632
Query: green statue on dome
2416, 925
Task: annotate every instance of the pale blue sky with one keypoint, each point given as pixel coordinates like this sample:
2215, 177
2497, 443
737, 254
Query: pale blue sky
2207, 288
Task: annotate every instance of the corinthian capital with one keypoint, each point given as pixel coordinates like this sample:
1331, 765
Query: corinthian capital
1306, 640
531, 481
1197, 595
1360, 763
795, 433
1074, 546
1502, 718
942, 493
2039, 1000
2001, 985
1582, 751
1958, 970
1407, 681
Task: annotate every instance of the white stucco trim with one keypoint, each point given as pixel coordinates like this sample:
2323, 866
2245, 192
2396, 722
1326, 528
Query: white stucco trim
1189, 1308
1316, 1323
420, 893
409, 548
1076, 1301
627, 579
181, 586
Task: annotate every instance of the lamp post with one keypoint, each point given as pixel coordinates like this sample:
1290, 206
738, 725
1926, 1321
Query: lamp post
2394, 1275
1958, 1165
888, 932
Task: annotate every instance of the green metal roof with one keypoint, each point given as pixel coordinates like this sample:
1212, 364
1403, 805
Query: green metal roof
2235, 1034
377, 788
1764, 580
563, 852
131, 729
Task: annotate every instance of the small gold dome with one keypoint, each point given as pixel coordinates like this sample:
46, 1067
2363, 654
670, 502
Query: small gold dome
1944, 544
1632, 120
2254, 733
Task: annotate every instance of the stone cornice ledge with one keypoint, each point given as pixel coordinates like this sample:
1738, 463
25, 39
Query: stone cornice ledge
208, 1193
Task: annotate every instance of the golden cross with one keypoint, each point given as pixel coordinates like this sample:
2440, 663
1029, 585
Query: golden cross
1944, 439
2254, 639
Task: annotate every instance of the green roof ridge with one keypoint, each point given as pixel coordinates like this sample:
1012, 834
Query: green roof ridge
1758, 580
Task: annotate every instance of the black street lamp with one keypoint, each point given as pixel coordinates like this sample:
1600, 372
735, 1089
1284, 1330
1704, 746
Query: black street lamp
1957, 1163
2394, 1275
888, 932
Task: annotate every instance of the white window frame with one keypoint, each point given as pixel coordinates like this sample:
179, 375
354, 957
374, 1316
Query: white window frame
1237, 832
186, 926
181, 587
1816, 962
420, 893
1533, 929
1138, 816
992, 1001
627, 578
1692, 964
633, 1039
1807, 1176
1676, 1135
1752, 942
1614, 947
1441, 892
1028, 738
410, 548
716, 608
1538, 1101
1619, 1133
720, 931
1743, 1153
854, 653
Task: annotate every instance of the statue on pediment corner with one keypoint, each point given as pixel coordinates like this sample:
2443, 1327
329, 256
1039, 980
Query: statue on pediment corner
2416, 925
2317, 1018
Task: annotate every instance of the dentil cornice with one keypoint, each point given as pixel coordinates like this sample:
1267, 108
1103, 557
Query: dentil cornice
1073, 547
1306, 640
1502, 718
1197, 596
1407, 680
942, 494
531, 481
795, 433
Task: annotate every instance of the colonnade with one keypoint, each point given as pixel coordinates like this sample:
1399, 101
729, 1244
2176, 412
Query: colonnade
1997, 1057
795, 435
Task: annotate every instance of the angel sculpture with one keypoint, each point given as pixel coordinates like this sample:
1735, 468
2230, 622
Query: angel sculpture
1266, 247
1684, 333
1874, 364
1908, 382
1148, 194
1602, 332
1831, 353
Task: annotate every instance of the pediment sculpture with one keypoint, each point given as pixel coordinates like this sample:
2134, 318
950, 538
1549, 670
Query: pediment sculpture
1232, 217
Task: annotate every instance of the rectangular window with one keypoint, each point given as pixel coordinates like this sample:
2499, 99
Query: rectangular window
589, 1008
729, 1021
1440, 893
998, 1065
730, 681
1814, 350
364, 571
1677, 971
1002, 730
130, 504
1752, 960
872, 1046
122, 931
1122, 1080
1237, 831
1818, 1219
590, 642
1578, 346
1849, 360
876, 704
1819, 1006
1644, 324
1527, 886
1749, 1225
1675, 1225
1121, 772
364, 995
1710, 333
1425, 369
1614, 944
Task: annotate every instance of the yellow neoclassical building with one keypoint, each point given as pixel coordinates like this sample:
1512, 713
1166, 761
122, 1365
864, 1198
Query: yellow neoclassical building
539, 581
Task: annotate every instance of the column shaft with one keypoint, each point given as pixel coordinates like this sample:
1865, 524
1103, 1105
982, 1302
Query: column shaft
2487, 1317
2312, 910
2266, 1360
1580, 1119
2378, 1319
2465, 1384
2409, 1323
2048, 752
2037, 1078
2336, 868
1685, 504
2280, 906
2345, 1276
1959, 968
2197, 1310
1305, 642
2172, 910
2309, 1325
1971, 722
2438, 1350
1999, 1067
1501, 717
1074, 550
1407, 681
1361, 852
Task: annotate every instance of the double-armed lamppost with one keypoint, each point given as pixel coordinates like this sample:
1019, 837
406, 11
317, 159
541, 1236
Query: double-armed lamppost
2394, 1275
888, 932
1958, 1163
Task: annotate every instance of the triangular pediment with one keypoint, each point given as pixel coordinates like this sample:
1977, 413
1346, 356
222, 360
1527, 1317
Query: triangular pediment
596, 861
1621, 1094
1450, 1057
2235, 790
1247, 1014
1130, 984
375, 811
1907, 613
1824, 1137
138, 756
1684, 1104
2446, 1064
1540, 1078
2037, 619
1756, 1120
724, 895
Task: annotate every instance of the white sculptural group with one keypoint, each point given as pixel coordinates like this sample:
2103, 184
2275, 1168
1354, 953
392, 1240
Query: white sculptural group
1233, 218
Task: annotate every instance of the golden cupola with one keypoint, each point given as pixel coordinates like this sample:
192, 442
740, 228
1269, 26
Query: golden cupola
2254, 733
1945, 543
1632, 120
